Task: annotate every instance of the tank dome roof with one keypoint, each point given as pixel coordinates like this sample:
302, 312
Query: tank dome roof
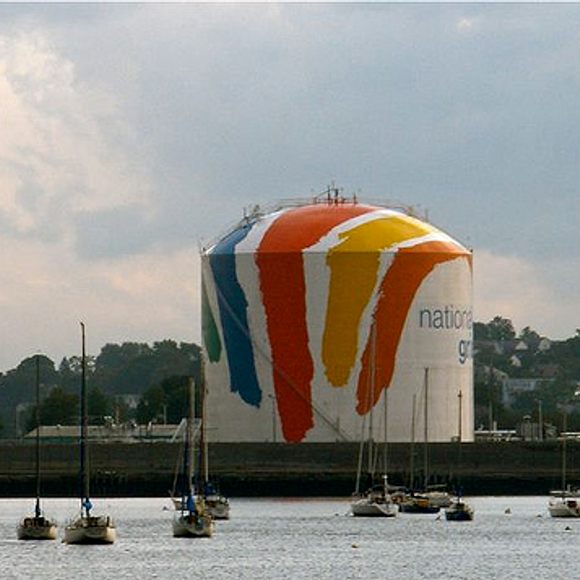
319, 226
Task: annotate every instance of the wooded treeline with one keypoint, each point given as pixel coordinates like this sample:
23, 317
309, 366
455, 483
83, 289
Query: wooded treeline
131, 381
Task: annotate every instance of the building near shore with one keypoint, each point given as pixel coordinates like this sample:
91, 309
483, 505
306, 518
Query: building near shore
111, 433
314, 311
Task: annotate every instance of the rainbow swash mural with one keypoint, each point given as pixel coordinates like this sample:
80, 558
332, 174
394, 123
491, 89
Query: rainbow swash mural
360, 266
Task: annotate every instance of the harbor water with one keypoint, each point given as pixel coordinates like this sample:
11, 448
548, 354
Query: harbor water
302, 538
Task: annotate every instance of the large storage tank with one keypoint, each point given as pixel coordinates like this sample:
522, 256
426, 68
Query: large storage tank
312, 313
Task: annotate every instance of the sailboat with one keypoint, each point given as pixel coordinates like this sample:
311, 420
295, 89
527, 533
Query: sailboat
425, 502
87, 528
217, 505
564, 503
193, 520
376, 501
37, 527
459, 510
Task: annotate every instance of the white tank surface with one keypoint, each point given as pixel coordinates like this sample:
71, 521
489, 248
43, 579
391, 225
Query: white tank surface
312, 314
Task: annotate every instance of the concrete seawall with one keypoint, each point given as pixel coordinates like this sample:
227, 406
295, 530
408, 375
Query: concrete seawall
256, 469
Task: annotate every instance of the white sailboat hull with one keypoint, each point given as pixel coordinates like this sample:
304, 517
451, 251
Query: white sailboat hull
369, 508
564, 507
33, 528
192, 526
90, 530
373, 504
218, 507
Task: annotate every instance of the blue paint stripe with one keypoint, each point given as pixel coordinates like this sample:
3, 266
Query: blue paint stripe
233, 308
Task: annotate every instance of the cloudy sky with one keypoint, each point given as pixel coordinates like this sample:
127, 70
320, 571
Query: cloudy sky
129, 134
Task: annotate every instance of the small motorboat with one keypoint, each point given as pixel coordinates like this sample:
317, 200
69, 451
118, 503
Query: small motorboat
459, 511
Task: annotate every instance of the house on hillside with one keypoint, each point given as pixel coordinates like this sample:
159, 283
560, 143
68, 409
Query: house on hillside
511, 388
544, 345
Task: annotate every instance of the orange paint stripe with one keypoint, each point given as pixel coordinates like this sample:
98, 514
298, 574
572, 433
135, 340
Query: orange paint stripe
409, 268
283, 287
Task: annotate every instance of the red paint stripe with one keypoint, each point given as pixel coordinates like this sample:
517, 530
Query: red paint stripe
409, 268
283, 287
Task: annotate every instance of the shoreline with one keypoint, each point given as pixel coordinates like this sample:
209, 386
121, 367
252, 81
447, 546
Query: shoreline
146, 469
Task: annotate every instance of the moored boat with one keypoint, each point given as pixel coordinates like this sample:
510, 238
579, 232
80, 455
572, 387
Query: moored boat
86, 528
217, 505
193, 519
459, 511
37, 527
564, 503
417, 503
376, 501
425, 500
564, 506
193, 522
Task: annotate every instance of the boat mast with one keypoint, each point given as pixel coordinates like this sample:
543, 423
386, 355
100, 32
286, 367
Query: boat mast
190, 447
459, 437
363, 426
85, 501
203, 440
360, 457
426, 431
371, 458
460, 425
37, 417
385, 439
564, 427
412, 454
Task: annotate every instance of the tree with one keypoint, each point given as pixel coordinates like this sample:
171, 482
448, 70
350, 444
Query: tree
59, 408
134, 367
17, 386
176, 389
121, 410
70, 371
166, 401
151, 405
530, 337
501, 329
480, 331
99, 406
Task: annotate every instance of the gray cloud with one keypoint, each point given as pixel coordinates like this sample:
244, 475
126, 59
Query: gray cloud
113, 233
469, 110
158, 123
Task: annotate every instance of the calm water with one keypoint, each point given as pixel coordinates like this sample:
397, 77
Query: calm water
298, 538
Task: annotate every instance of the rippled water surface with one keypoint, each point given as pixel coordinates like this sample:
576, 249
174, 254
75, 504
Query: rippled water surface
301, 538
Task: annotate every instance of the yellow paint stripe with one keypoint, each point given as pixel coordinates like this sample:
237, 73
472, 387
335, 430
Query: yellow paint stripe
354, 264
